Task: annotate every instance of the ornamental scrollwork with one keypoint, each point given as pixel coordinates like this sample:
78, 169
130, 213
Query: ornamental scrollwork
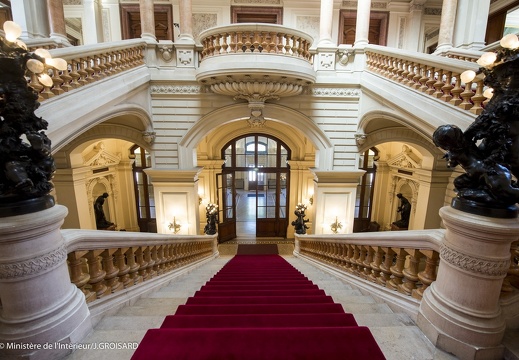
33, 266
494, 268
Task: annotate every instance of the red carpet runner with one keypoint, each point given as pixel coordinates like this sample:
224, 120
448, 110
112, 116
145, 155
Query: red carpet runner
259, 307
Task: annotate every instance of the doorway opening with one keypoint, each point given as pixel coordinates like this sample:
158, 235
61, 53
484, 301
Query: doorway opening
253, 188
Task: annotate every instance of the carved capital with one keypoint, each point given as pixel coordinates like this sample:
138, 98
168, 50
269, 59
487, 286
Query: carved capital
149, 136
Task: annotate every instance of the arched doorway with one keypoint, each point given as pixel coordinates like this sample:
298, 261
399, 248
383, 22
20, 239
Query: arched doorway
252, 188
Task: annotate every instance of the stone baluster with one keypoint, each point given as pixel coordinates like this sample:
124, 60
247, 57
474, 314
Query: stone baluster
239, 42
74, 74
456, 91
465, 96
429, 84
124, 268
83, 74
77, 276
397, 269
357, 253
367, 262
447, 87
111, 279
428, 275
150, 262
143, 264
375, 265
478, 98
411, 272
57, 89
133, 265
217, 45
156, 260
97, 274
385, 267
438, 85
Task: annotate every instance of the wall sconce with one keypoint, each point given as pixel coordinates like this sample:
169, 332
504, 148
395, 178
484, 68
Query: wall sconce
174, 226
199, 200
336, 226
311, 200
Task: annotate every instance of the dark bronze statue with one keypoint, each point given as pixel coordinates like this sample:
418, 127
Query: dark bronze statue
300, 223
26, 164
488, 150
211, 214
101, 222
405, 212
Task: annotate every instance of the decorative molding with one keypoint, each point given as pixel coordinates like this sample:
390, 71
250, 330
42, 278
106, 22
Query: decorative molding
166, 52
433, 11
182, 89
406, 159
334, 92
35, 265
72, 2
185, 57
374, 5
100, 157
360, 139
494, 268
149, 136
257, 2
327, 61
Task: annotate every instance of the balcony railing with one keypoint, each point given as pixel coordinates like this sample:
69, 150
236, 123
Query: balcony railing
255, 38
87, 64
434, 76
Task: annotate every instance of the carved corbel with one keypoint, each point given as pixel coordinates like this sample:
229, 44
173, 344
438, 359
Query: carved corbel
360, 139
149, 136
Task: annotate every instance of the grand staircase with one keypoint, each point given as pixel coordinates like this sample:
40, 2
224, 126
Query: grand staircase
396, 334
259, 307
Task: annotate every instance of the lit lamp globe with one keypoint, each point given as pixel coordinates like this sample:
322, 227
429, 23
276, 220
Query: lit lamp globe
467, 76
509, 41
487, 59
12, 31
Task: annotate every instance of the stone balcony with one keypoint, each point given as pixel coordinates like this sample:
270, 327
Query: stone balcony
255, 62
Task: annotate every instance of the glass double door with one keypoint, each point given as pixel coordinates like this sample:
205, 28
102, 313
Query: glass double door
252, 202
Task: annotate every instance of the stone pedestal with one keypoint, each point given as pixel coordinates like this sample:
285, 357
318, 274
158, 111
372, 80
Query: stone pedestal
460, 311
40, 306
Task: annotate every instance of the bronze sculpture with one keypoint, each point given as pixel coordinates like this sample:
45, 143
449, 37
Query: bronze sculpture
488, 150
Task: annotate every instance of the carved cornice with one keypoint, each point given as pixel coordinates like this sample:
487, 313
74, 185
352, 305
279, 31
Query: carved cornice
33, 266
334, 92
178, 89
100, 157
494, 268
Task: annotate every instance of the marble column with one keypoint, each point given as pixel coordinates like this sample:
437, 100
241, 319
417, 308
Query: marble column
447, 23
362, 28
414, 40
325, 22
92, 22
460, 311
186, 20
471, 24
147, 11
58, 29
32, 16
40, 305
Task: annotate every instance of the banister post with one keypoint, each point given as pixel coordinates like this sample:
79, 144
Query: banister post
460, 311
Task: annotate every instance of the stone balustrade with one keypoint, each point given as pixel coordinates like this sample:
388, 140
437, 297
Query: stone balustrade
255, 38
87, 64
437, 76
103, 263
408, 267
406, 262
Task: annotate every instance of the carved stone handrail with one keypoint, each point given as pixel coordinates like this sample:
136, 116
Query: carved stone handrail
407, 264
104, 262
90, 63
435, 76
404, 261
257, 39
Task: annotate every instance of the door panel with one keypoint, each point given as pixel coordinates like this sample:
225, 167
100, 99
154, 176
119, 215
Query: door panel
271, 204
226, 207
